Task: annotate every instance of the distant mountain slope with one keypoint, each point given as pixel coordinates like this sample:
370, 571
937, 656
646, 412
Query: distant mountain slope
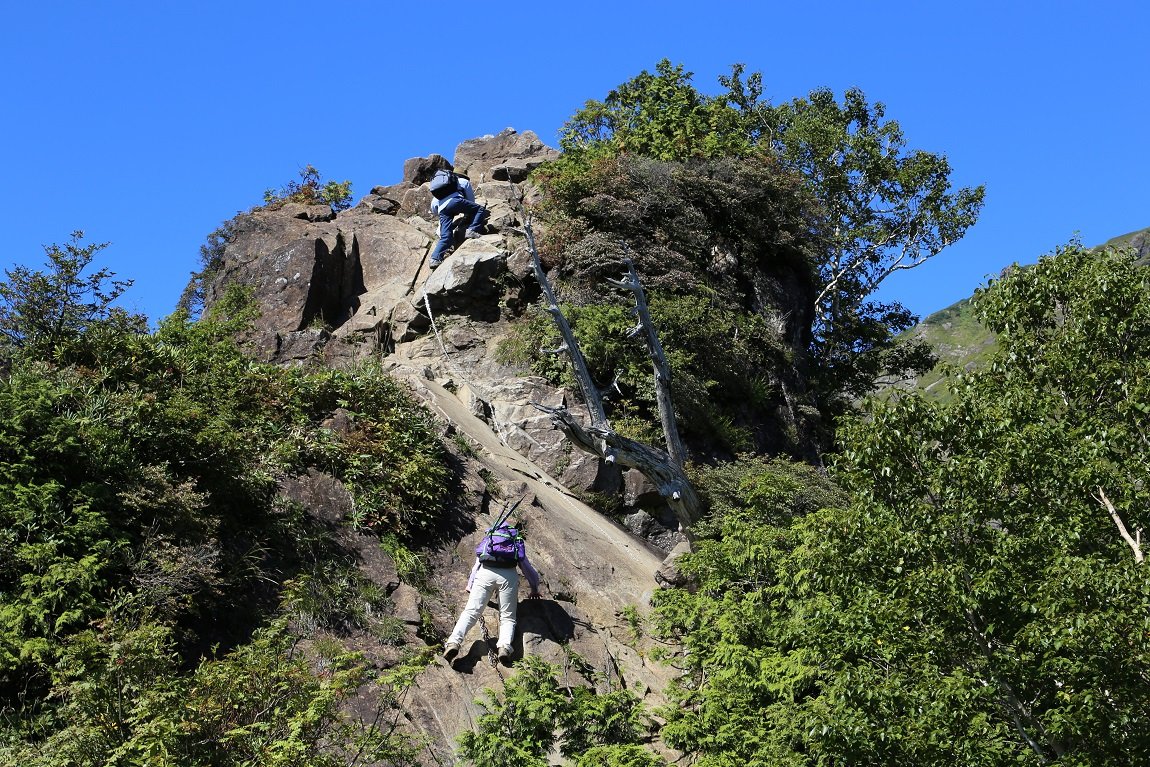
1139, 241
957, 338
960, 340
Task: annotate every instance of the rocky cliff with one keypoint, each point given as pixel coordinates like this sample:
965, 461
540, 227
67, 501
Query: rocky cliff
337, 288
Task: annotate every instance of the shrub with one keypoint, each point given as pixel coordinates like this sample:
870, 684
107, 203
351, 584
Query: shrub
311, 188
140, 526
533, 714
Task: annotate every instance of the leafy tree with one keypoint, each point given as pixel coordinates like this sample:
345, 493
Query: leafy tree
884, 208
976, 601
1007, 571
48, 312
661, 116
889, 209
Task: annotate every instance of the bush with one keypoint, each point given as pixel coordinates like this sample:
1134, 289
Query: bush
140, 526
533, 714
311, 189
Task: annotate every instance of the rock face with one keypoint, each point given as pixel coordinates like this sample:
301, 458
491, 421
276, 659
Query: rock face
337, 288
334, 288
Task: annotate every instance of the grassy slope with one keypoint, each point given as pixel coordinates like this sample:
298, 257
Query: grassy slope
960, 340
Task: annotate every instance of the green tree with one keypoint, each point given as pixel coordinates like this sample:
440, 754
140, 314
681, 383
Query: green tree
661, 116
884, 207
976, 601
889, 209
48, 311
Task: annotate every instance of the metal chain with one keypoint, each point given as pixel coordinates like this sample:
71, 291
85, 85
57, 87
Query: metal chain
497, 427
492, 656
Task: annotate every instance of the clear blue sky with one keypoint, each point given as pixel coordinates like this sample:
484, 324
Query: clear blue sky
147, 124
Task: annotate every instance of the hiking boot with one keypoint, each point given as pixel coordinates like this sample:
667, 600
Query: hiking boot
450, 650
433, 264
473, 234
504, 655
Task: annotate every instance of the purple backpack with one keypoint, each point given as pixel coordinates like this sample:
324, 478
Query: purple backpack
502, 545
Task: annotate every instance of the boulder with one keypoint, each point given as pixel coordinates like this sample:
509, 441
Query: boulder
300, 346
478, 158
467, 280
308, 211
669, 574
419, 170
661, 532
638, 490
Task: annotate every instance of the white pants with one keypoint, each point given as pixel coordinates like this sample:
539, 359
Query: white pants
487, 580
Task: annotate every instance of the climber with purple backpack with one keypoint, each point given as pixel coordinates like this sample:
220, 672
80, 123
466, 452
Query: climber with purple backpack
498, 558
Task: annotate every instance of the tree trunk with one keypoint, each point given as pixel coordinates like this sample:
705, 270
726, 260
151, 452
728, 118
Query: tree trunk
663, 468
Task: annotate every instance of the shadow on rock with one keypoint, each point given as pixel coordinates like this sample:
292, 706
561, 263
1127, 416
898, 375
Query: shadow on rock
546, 619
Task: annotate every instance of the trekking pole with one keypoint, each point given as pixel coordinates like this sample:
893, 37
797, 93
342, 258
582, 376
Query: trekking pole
503, 517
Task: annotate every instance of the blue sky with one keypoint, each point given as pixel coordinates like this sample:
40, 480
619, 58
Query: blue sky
147, 124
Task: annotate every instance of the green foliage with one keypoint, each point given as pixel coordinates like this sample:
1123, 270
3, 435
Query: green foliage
211, 261
534, 714
45, 314
888, 209
412, 567
880, 207
722, 248
619, 756
339, 598
139, 525
261, 704
658, 115
310, 189
973, 602
720, 360
391, 456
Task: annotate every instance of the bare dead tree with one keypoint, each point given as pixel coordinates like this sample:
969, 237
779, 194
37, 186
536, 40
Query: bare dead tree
663, 467
1133, 541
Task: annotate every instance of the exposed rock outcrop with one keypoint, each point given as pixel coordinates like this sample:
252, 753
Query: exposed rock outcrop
337, 288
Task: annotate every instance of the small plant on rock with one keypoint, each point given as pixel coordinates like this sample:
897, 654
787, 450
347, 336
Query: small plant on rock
311, 189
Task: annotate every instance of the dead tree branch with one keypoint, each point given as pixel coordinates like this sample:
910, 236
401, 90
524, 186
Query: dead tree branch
663, 468
1135, 541
570, 345
658, 361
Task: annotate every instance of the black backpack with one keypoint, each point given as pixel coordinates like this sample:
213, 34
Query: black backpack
444, 184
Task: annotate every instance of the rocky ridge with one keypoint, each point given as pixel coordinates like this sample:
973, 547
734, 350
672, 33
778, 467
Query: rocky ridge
339, 288
335, 288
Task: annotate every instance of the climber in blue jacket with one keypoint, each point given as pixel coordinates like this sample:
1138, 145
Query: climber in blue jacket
453, 195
